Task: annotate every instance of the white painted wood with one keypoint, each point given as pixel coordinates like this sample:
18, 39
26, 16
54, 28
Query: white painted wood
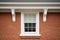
29, 7
45, 11
29, 2
45, 14
37, 23
13, 15
22, 24
44, 18
30, 34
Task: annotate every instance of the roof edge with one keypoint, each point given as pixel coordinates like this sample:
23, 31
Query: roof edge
29, 2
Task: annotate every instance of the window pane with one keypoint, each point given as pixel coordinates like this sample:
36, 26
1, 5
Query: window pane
26, 25
26, 29
34, 29
29, 24
30, 18
34, 24
30, 30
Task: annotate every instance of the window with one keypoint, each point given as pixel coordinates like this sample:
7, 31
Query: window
29, 24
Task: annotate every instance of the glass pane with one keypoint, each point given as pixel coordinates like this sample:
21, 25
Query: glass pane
34, 24
26, 25
34, 29
30, 30
29, 24
26, 29
30, 18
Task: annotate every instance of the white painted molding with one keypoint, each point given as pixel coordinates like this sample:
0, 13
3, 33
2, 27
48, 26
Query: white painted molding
29, 2
29, 7
45, 14
22, 24
13, 15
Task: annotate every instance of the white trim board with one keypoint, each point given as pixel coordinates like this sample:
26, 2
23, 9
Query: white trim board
30, 7
29, 2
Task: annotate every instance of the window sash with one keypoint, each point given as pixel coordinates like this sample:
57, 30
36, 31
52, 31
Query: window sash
30, 27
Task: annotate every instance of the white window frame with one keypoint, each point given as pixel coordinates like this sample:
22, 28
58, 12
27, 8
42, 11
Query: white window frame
37, 33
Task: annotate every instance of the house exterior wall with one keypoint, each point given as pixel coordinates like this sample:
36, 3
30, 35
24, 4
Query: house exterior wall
10, 30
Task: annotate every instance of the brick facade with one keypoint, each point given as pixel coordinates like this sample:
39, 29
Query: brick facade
49, 30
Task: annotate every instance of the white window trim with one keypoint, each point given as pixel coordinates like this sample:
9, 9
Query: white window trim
22, 26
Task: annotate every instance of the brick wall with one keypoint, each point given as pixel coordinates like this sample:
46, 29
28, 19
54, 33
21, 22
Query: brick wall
10, 31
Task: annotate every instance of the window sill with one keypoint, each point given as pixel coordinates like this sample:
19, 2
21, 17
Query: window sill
30, 34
